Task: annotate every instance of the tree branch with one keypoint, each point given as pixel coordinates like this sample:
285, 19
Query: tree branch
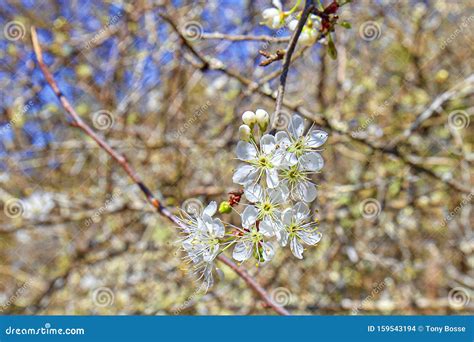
308, 7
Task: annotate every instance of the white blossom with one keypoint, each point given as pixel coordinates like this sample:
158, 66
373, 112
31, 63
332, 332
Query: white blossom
274, 17
299, 147
201, 240
269, 204
261, 162
299, 229
252, 239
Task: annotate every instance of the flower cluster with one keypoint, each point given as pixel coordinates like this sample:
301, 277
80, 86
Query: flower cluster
275, 176
319, 24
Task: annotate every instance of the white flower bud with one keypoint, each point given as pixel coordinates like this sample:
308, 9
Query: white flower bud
245, 132
308, 36
249, 118
272, 18
263, 119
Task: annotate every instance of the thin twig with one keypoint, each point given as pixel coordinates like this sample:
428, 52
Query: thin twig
79, 123
308, 7
435, 106
271, 57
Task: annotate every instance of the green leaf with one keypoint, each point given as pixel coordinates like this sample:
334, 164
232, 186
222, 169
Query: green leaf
332, 49
346, 24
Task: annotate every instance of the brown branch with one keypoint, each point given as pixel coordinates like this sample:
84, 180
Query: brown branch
254, 285
79, 123
271, 57
308, 7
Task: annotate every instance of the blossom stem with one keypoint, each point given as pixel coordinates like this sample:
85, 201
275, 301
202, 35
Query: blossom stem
294, 8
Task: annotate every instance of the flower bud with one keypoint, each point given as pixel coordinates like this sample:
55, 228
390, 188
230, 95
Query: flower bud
249, 118
245, 132
263, 119
225, 207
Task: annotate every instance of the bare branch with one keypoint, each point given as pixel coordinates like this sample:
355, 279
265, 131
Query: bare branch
308, 7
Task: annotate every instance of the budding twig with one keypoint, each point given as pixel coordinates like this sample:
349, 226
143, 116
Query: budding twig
308, 7
271, 57
119, 158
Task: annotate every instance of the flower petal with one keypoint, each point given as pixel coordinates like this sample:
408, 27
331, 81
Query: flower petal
296, 248
242, 251
211, 253
272, 178
270, 13
267, 227
218, 228
279, 194
277, 4
267, 143
291, 159
310, 237
317, 138
210, 209
288, 216
296, 126
312, 161
282, 237
249, 216
254, 193
306, 191
267, 251
246, 151
301, 211
245, 174
283, 139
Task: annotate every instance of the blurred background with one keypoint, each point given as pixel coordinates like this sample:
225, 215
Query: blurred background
395, 195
